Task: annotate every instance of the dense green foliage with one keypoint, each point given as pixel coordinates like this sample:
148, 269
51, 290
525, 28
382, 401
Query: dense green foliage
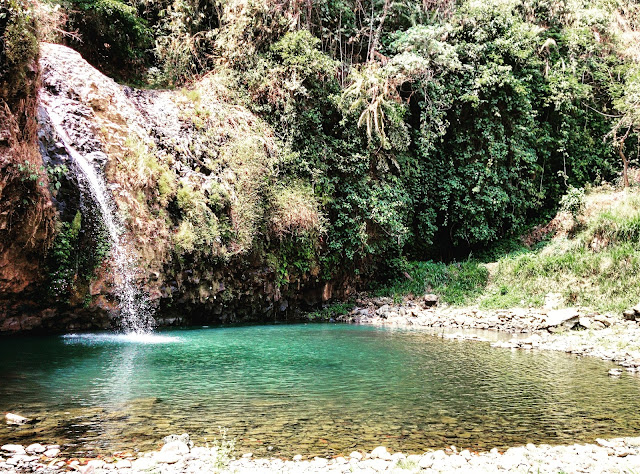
111, 32
72, 262
18, 51
414, 129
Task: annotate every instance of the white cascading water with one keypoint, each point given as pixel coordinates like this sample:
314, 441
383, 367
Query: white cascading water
133, 305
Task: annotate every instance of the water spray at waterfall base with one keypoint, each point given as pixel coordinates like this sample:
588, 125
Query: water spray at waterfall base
135, 313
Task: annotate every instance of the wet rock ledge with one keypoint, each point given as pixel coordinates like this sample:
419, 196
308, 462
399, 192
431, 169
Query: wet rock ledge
178, 456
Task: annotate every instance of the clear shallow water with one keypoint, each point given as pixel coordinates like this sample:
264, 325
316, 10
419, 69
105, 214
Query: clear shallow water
310, 389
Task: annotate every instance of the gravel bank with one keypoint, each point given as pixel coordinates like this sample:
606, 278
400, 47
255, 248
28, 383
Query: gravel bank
177, 457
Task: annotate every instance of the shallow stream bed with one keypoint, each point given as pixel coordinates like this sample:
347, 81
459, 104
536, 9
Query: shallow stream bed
314, 389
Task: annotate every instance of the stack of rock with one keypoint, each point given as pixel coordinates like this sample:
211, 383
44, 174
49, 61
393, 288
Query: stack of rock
632, 314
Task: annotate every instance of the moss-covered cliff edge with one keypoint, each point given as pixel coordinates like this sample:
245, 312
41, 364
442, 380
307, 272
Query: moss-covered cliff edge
217, 233
26, 210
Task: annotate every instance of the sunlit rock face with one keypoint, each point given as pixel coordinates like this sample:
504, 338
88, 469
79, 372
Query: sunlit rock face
189, 173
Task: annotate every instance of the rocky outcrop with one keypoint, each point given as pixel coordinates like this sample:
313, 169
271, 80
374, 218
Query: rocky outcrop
571, 330
187, 170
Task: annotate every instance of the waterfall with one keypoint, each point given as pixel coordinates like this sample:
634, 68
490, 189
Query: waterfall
135, 314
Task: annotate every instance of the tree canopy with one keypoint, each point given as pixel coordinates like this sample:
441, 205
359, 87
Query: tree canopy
422, 129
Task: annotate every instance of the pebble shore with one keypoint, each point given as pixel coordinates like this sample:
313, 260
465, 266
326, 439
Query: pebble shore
617, 455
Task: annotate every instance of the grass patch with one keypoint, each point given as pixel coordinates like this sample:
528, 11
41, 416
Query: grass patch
455, 283
598, 266
595, 265
408, 465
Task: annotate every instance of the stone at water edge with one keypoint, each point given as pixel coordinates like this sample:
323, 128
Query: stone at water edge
603, 320
143, 464
562, 317
297, 457
380, 453
319, 462
585, 322
605, 443
52, 453
356, 455
166, 457
96, 464
13, 419
183, 438
615, 372
13, 448
397, 457
378, 465
36, 448
431, 300
425, 462
200, 452
177, 447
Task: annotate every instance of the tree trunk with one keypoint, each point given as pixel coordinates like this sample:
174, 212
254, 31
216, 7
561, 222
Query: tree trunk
375, 41
625, 166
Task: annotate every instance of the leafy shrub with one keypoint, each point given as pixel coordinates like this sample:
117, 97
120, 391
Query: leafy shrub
199, 230
18, 51
180, 51
112, 34
223, 450
573, 202
331, 311
144, 171
63, 264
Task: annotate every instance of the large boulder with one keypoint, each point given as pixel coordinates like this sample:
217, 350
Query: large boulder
565, 318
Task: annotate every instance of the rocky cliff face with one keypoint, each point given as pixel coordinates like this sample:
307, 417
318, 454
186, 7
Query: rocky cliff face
194, 177
26, 211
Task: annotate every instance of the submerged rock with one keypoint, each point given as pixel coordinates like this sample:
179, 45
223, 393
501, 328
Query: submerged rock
183, 438
52, 452
177, 447
380, 453
167, 457
13, 419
